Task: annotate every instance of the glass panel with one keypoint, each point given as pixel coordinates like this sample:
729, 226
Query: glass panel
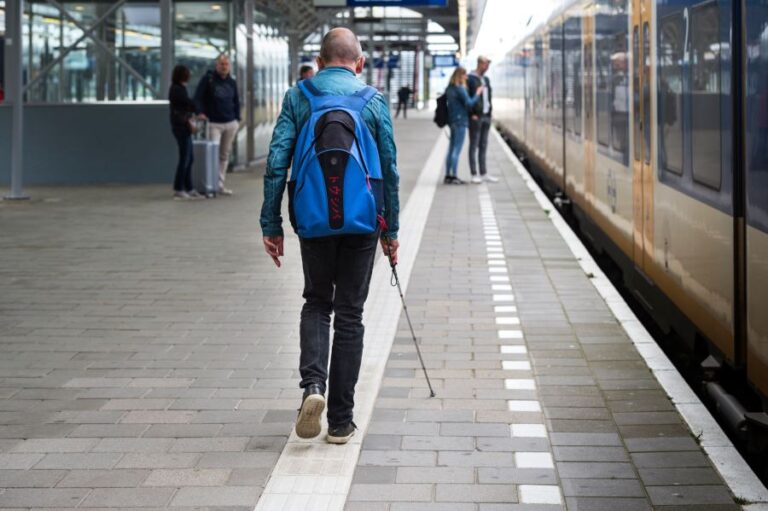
671, 43
636, 91
620, 93
647, 92
588, 92
538, 99
756, 128
90, 71
556, 75
705, 95
602, 89
202, 34
573, 78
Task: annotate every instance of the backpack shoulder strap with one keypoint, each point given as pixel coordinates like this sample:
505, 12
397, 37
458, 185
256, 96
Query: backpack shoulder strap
366, 93
312, 93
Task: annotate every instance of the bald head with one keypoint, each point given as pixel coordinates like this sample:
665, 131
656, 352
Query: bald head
340, 47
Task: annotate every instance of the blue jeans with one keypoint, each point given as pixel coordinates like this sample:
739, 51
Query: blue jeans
458, 132
337, 272
183, 180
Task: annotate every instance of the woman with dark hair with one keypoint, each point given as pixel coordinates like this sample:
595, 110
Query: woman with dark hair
459, 103
182, 125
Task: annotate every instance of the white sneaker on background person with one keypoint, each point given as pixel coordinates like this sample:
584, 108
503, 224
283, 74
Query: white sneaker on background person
194, 194
477, 180
490, 179
180, 196
225, 191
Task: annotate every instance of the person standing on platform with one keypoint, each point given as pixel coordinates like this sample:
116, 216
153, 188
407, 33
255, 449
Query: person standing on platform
480, 122
337, 269
218, 100
459, 103
182, 126
403, 95
306, 71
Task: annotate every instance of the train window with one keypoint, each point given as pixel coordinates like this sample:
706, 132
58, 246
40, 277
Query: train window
620, 95
636, 90
612, 83
603, 88
705, 95
647, 92
573, 78
556, 75
670, 65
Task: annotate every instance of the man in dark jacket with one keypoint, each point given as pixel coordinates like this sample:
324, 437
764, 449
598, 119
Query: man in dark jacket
218, 100
480, 122
403, 95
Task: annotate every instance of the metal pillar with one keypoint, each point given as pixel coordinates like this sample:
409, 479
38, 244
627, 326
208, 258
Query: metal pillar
250, 124
166, 47
15, 93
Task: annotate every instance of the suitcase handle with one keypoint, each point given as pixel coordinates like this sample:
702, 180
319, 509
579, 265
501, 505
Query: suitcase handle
204, 133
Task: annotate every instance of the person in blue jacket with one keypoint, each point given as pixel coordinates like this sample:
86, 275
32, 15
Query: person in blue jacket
459, 103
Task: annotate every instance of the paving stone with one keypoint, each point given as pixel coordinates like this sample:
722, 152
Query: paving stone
19, 461
382, 442
42, 497
128, 497
390, 492
30, 478
378, 475
476, 493
475, 459
75, 461
506, 475
103, 478
187, 477
398, 458
248, 477
571, 470
157, 461
225, 496
238, 460
602, 488
590, 453
688, 495
434, 475
678, 476
607, 504
443, 506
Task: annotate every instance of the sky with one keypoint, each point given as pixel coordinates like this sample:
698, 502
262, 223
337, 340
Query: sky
505, 22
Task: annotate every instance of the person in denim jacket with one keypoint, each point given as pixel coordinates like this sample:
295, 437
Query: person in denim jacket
459, 103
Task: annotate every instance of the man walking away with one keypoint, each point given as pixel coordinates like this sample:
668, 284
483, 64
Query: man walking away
403, 95
337, 268
480, 122
218, 100
306, 71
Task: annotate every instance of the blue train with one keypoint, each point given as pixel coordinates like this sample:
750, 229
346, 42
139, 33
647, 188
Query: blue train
650, 118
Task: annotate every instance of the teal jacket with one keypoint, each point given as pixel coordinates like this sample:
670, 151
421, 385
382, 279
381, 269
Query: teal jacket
295, 113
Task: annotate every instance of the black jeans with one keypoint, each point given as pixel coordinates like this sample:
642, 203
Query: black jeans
337, 272
404, 106
183, 180
478, 143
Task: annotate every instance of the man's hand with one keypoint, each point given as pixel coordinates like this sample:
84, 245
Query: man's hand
202, 117
389, 247
274, 247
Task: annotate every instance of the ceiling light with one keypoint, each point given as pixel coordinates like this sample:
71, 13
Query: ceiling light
79, 8
215, 7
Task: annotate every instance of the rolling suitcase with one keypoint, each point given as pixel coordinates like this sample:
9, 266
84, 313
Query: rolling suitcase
205, 169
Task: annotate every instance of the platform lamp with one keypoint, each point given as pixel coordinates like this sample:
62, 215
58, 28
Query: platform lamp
15, 93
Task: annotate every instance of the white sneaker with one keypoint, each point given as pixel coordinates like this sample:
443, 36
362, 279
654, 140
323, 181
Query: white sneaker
490, 179
180, 196
477, 180
225, 191
194, 194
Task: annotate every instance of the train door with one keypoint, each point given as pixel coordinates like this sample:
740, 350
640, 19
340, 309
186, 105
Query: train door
642, 172
588, 45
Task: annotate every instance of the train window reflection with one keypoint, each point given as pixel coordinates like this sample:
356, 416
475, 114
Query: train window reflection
612, 85
556, 75
705, 95
647, 92
636, 91
670, 65
573, 78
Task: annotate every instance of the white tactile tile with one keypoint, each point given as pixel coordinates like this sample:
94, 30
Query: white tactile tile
504, 298
316, 475
504, 308
507, 320
534, 460
496, 255
515, 365
520, 384
494, 262
510, 334
497, 269
501, 287
494, 249
539, 494
523, 405
499, 278
528, 430
513, 350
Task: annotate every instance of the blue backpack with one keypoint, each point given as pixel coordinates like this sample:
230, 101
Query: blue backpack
336, 184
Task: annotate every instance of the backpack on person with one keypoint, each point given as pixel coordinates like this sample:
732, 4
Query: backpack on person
336, 185
441, 111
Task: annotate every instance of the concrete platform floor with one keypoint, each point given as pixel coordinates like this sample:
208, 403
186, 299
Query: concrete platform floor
148, 360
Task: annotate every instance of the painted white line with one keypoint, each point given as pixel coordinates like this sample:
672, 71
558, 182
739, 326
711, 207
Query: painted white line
740, 478
529, 430
534, 460
519, 384
510, 334
515, 365
539, 494
513, 350
304, 466
523, 405
505, 308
